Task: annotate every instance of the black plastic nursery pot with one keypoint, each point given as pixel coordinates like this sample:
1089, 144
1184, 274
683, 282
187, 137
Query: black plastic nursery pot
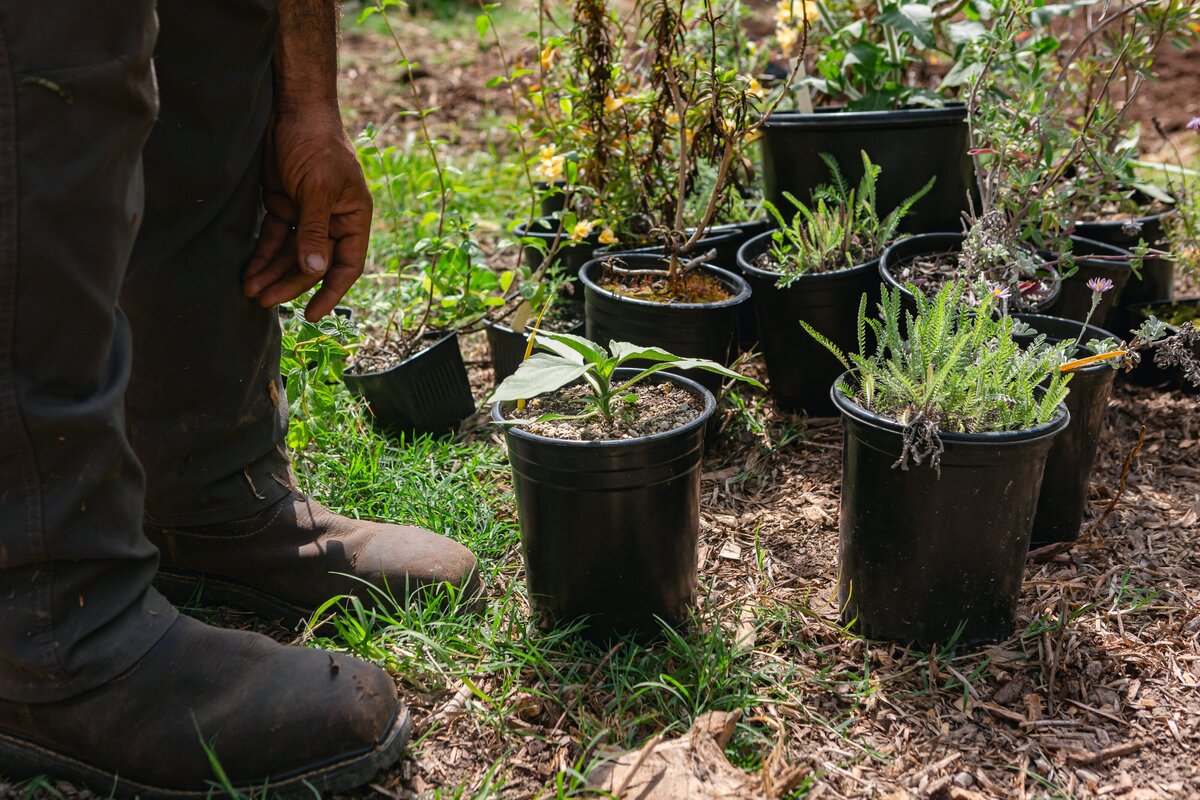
1063, 499
723, 240
570, 255
800, 370
747, 334
426, 393
508, 347
909, 145
906, 250
1158, 275
609, 529
1075, 300
692, 330
726, 240
924, 557
1147, 373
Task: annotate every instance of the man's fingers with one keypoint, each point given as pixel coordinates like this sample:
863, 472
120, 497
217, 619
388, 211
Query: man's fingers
293, 284
272, 235
312, 232
337, 282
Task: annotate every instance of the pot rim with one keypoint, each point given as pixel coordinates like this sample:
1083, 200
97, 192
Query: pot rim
1110, 224
500, 326
1089, 258
890, 279
714, 236
1045, 430
1178, 300
443, 336
952, 112
814, 277
710, 406
727, 277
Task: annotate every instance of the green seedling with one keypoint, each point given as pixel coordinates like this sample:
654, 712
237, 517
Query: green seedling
571, 358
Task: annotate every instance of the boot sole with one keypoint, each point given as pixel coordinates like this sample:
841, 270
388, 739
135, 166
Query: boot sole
182, 588
23, 759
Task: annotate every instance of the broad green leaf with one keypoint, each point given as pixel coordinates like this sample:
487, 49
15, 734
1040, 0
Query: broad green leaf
915, 19
624, 351
537, 375
570, 346
965, 31
482, 23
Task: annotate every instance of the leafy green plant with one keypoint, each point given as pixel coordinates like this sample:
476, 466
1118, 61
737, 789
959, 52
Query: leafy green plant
948, 369
1046, 127
571, 358
442, 281
841, 230
880, 54
647, 118
312, 360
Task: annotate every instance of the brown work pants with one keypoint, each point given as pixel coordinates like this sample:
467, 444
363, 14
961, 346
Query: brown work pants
133, 372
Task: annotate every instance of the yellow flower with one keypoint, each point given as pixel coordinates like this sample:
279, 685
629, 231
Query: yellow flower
582, 230
751, 136
547, 56
785, 13
611, 103
672, 119
754, 88
550, 165
787, 37
607, 236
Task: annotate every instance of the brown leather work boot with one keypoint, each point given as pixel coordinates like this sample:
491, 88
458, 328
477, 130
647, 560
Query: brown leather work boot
285, 561
284, 718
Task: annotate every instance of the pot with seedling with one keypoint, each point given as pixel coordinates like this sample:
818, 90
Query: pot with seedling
409, 368
659, 119
411, 372
947, 425
814, 268
606, 468
874, 78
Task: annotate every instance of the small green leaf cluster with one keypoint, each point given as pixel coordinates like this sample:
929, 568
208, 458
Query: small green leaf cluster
311, 362
571, 358
842, 228
949, 369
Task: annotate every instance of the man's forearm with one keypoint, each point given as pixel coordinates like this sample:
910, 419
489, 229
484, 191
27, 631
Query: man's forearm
306, 54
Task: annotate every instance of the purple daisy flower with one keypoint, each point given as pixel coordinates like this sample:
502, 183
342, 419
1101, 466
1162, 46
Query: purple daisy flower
1194, 124
1001, 292
1099, 285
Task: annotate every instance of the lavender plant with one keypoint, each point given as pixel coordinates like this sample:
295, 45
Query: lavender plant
948, 369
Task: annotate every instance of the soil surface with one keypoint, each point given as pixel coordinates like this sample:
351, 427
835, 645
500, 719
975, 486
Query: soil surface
930, 272
693, 287
378, 355
656, 408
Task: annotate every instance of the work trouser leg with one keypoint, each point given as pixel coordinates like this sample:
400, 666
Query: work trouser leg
206, 414
76, 103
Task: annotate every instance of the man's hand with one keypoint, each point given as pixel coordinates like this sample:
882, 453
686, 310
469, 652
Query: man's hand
318, 213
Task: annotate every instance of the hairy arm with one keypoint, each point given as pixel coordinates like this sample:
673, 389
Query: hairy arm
318, 207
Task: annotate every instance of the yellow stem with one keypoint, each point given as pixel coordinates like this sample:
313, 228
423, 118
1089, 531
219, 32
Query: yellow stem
1083, 362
